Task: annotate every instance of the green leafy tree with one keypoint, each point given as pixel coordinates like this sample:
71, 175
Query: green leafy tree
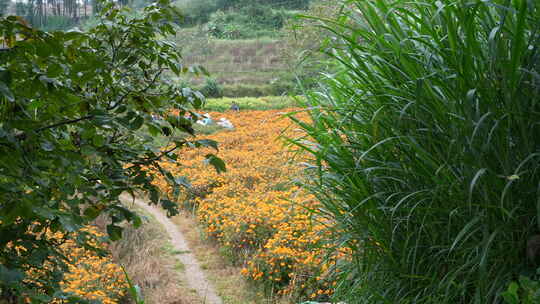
72, 109
200, 11
4, 5
23, 9
291, 4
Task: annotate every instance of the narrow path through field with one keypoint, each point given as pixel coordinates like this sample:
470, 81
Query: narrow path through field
196, 278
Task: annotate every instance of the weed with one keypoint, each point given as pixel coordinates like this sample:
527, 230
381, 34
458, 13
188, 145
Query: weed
179, 266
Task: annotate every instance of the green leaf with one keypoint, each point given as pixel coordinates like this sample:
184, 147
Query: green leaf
92, 212
44, 212
126, 213
134, 290
166, 131
208, 143
68, 223
98, 140
5, 76
6, 92
115, 232
10, 276
101, 120
510, 296
88, 150
136, 123
35, 104
47, 146
216, 162
137, 222
170, 207
183, 181
101, 101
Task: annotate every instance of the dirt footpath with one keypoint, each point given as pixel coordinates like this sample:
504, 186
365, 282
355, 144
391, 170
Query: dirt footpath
196, 278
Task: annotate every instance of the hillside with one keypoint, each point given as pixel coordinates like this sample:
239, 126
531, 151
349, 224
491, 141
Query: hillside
247, 67
241, 46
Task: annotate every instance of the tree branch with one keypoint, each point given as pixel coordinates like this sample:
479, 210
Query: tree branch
153, 159
65, 122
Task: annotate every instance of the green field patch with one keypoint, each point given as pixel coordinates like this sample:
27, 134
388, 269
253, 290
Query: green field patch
251, 103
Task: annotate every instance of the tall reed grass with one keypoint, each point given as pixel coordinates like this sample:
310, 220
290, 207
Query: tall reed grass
427, 147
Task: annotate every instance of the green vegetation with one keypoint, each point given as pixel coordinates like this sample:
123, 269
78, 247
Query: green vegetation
250, 103
4, 4
247, 46
179, 266
57, 23
62, 15
200, 11
71, 104
211, 88
51, 15
196, 12
423, 141
427, 148
239, 42
240, 68
525, 291
247, 22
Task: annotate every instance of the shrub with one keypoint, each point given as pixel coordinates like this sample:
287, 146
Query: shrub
290, 4
250, 21
427, 147
246, 90
212, 88
58, 23
277, 88
525, 291
197, 11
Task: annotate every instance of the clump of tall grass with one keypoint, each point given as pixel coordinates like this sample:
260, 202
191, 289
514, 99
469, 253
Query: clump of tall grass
427, 147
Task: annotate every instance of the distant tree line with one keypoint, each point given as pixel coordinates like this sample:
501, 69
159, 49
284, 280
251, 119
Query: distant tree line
291, 4
63, 14
3, 7
52, 14
199, 11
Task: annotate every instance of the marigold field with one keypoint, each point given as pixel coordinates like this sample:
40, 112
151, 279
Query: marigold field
255, 210
89, 276
93, 277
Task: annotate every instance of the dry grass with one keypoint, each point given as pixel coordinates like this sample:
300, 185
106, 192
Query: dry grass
229, 283
149, 260
148, 257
